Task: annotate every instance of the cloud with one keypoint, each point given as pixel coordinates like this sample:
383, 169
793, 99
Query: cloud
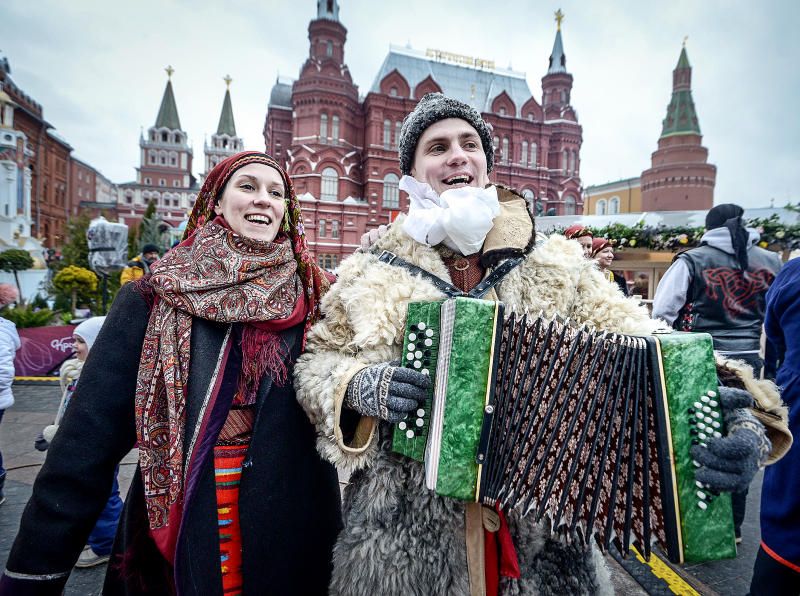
96, 67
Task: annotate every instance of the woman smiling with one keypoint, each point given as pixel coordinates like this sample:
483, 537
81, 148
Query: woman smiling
193, 364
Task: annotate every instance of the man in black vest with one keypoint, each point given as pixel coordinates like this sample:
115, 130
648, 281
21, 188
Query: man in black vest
720, 288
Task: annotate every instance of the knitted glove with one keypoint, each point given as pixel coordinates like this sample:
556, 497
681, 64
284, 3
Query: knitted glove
729, 463
386, 391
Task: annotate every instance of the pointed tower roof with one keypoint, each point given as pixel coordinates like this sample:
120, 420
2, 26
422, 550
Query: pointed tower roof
558, 60
168, 112
681, 115
226, 125
328, 9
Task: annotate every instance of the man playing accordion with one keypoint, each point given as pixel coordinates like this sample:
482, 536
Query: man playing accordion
460, 228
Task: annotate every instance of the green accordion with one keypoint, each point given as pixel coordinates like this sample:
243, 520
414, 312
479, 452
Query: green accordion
589, 429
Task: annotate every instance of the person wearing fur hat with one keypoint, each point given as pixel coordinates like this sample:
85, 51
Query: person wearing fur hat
584, 237
9, 344
720, 288
140, 265
193, 366
399, 537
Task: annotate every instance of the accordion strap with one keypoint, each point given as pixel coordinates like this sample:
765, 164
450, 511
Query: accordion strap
449, 289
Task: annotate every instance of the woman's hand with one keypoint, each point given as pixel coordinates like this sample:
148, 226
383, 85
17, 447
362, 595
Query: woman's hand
386, 391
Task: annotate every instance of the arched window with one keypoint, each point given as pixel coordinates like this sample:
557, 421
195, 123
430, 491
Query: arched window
329, 48
330, 185
528, 195
496, 143
393, 92
335, 228
571, 162
391, 192
387, 134
504, 154
335, 130
321, 228
575, 166
533, 155
565, 161
164, 137
397, 127
613, 205
323, 128
569, 205
502, 110
601, 207
524, 157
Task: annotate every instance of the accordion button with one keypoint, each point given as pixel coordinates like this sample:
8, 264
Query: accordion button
412, 337
715, 414
698, 405
411, 347
712, 394
410, 434
426, 372
418, 354
702, 436
703, 444
702, 495
715, 424
713, 403
419, 422
695, 442
717, 434
429, 342
489, 409
429, 333
417, 364
420, 412
421, 326
702, 505
698, 483
706, 409
402, 426
695, 463
701, 416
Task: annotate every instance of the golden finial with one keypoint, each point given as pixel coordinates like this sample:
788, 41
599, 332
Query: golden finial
169, 70
228, 80
559, 18
685, 38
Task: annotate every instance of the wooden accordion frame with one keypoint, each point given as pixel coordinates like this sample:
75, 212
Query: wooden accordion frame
591, 430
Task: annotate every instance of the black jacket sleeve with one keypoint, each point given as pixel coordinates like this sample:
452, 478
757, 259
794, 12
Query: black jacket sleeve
97, 431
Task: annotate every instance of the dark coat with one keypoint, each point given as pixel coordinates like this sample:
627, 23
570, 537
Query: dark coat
289, 498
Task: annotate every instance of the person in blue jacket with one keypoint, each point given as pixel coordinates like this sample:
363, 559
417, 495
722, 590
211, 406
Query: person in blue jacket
777, 566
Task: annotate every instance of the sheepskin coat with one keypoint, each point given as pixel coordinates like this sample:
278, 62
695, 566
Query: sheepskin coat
398, 536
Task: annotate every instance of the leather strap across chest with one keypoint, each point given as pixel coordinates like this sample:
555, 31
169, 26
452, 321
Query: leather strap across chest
447, 288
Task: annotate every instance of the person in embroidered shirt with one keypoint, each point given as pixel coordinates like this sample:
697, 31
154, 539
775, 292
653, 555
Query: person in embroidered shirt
462, 234
192, 364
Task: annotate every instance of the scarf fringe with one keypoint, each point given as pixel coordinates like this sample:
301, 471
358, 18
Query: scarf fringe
262, 352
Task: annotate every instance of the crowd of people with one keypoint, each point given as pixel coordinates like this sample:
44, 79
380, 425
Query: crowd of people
247, 376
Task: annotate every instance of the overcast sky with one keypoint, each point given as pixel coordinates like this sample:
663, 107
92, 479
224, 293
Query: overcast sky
97, 67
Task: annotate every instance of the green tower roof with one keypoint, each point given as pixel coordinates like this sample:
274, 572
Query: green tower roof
226, 125
681, 115
168, 112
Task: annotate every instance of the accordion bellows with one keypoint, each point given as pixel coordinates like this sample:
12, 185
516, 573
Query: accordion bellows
591, 430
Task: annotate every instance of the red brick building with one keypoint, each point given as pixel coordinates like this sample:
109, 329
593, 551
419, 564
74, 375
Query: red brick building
164, 174
680, 177
49, 165
341, 149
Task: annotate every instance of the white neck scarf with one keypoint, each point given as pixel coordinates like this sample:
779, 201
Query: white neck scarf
460, 218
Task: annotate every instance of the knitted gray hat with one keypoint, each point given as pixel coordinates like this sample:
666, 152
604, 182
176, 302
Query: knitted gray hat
432, 108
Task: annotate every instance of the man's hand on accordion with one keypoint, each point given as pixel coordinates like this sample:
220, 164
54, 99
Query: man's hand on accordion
386, 391
729, 463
